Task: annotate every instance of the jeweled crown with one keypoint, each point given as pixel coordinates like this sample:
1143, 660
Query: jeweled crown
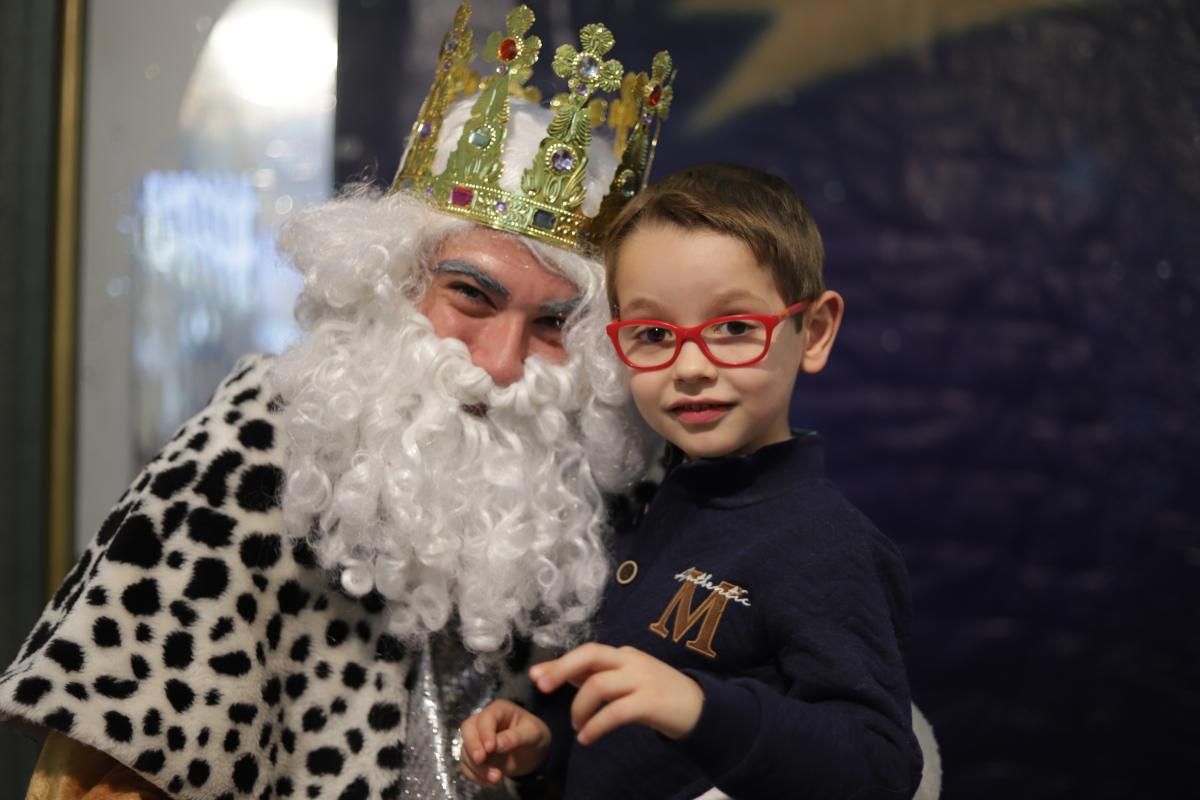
549, 205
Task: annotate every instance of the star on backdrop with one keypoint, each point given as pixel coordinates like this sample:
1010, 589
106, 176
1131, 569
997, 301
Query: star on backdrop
807, 39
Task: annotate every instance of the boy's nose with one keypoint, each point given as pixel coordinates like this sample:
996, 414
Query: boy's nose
691, 364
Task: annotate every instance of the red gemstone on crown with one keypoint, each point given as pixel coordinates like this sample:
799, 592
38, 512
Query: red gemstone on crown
655, 95
508, 50
461, 196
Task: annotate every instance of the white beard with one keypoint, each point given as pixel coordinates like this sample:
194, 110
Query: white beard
495, 518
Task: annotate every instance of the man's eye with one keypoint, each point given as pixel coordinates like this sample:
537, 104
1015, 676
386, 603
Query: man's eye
554, 323
470, 292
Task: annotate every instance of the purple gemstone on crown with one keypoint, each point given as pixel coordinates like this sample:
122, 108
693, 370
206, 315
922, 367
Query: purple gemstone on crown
647, 118
562, 160
581, 89
461, 196
501, 206
502, 69
424, 129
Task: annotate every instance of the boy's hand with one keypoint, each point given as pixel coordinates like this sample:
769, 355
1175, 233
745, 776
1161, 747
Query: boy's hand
502, 740
618, 686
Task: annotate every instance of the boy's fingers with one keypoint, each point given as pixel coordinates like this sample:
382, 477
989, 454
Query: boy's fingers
472, 745
484, 774
471, 772
600, 688
574, 667
521, 731
486, 729
617, 713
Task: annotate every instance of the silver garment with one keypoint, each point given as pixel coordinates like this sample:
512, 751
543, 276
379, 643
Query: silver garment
450, 684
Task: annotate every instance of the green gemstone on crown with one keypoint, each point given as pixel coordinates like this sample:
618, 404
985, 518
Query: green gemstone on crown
480, 137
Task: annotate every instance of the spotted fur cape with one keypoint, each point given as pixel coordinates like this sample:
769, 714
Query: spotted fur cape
195, 645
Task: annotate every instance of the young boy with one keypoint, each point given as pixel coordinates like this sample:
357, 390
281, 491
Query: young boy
751, 638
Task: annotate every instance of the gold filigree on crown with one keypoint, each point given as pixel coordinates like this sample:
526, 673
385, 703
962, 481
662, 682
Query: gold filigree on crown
549, 205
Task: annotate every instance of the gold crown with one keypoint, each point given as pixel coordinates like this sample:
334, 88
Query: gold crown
549, 204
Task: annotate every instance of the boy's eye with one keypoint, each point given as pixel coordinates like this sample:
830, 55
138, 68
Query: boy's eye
654, 335
736, 327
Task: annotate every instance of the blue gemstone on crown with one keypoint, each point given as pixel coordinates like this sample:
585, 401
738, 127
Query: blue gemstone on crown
544, 219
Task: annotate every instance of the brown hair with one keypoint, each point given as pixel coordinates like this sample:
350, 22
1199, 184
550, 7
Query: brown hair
756, 207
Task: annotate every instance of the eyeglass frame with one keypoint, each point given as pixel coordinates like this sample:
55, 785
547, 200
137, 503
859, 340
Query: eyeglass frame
692, 334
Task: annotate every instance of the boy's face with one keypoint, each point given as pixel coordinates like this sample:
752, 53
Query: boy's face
687, 277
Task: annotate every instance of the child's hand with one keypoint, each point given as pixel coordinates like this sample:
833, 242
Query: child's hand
502, 739
618, 686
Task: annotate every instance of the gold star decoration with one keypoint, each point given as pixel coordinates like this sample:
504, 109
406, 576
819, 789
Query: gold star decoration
808, 39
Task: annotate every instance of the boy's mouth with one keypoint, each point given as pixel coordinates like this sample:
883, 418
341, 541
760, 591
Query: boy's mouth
700, 413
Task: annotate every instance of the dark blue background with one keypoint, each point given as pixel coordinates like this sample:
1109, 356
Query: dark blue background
1012, 214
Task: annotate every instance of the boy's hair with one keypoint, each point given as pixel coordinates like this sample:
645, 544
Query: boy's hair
756, 207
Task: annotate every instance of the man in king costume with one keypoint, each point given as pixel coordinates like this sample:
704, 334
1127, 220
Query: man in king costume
333, 564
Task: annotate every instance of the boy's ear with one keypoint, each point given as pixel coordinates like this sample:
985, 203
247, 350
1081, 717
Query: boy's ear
821, 324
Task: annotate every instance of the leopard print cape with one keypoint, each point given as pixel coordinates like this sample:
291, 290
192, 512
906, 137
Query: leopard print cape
194, 644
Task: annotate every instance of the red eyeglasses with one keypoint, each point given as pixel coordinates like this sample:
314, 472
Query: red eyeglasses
738, 340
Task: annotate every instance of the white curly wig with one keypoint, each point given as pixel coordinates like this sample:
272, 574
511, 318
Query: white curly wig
494, 520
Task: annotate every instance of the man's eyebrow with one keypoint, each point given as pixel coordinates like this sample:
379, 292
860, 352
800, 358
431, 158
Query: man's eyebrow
457, 267
560, 308
454, 266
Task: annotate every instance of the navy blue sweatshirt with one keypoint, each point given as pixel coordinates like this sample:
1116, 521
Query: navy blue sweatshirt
756, 577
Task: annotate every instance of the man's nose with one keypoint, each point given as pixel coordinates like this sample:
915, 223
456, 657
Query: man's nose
500, 349
691, 364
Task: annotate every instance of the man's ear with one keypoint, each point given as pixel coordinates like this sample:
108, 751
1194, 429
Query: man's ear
821, 323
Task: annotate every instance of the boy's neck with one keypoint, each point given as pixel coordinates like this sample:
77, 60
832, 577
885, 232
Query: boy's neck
685, 457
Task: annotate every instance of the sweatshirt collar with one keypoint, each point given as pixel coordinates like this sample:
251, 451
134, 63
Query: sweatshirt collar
733, 481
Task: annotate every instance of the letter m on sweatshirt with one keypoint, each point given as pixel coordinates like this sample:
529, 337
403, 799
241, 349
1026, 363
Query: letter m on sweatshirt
707, 614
